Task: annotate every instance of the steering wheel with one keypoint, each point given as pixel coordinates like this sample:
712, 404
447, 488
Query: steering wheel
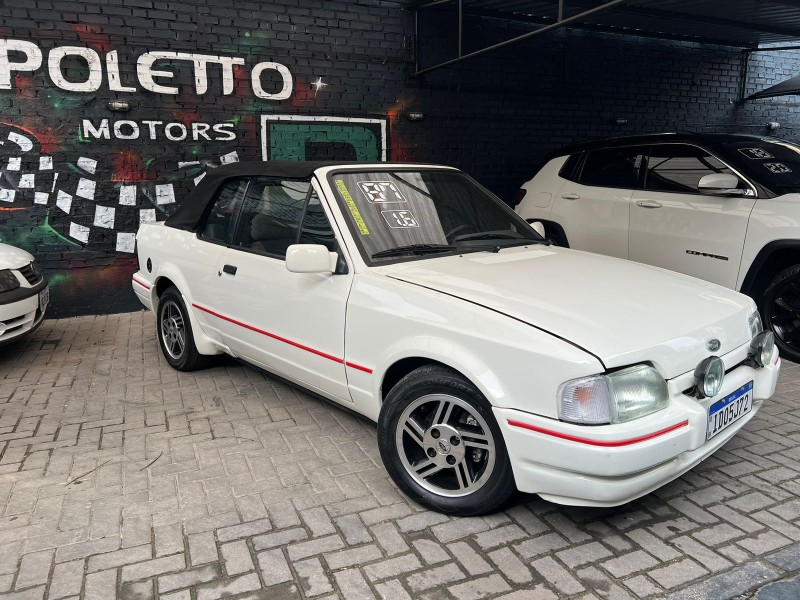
450, 235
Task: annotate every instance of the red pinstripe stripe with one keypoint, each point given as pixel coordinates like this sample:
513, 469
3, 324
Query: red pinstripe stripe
335, 359
591, 442
144, 285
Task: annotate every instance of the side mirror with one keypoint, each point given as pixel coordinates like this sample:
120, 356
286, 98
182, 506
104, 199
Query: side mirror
538, 228
310, 258
721, 184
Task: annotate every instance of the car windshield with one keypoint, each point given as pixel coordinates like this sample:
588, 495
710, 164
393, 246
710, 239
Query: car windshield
406, 214
775, 162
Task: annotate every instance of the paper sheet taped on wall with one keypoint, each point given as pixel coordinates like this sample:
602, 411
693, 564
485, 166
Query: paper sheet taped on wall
7, 195
147, 215
64, 201
45, 163
351, 205
26, 181
14, 163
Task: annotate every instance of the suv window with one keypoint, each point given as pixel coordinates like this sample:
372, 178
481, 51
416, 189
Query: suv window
612, 167
679, 168
271, 214
218, 225
570, 168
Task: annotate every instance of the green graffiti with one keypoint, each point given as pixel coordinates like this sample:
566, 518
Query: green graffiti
288, 140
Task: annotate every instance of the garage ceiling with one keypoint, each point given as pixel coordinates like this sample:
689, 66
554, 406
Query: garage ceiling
741, 23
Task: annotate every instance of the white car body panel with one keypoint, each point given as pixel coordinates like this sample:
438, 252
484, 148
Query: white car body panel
700, 223
518, 324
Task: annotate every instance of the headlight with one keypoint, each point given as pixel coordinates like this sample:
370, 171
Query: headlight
8, 281
708, 376
761, 348
615, 398
754, 321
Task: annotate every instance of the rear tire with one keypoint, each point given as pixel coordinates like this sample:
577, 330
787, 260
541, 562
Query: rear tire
441, 445
175, 335
780, 308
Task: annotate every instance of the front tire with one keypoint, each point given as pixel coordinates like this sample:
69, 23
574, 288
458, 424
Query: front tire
780, 307
175, 333
441, 444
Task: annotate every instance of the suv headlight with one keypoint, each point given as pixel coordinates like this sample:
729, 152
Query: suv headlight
754, 321
615, 398
8, 281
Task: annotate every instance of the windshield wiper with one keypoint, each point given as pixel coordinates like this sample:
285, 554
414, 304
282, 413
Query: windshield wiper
499, 236
414, 249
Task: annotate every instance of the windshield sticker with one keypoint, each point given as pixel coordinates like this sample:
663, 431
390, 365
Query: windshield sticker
381, 191
755, 153
777, 168
399, 219
348, 199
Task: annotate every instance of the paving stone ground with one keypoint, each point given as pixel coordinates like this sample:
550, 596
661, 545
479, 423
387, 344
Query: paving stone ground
120, 477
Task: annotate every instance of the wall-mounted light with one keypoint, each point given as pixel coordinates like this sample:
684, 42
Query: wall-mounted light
773, 125
620, 121
119, 105
415, 116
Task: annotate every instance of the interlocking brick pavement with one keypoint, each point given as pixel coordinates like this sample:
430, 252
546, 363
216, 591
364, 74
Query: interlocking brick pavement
120, 477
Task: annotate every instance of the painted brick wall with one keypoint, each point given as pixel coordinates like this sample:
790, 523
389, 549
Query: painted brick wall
76, 178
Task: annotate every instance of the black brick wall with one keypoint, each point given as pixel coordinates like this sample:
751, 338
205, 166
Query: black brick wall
495, 116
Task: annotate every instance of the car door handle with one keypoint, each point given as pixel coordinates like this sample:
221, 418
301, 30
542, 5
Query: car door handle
571, 196
648, 204
229, 269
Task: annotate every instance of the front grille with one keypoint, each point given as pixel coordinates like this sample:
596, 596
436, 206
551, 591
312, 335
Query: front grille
31, 273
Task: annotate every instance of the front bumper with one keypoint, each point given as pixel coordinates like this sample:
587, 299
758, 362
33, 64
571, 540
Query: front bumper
608, 465
20, 311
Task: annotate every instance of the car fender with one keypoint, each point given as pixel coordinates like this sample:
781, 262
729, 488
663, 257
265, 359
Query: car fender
169, 270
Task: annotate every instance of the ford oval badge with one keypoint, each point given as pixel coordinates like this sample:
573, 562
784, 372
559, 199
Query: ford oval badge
713, 345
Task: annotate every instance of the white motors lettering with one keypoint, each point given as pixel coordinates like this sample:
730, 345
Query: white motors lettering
125, 129
152, 76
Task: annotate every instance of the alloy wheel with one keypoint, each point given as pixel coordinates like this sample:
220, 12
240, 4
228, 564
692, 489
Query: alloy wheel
445, 445
173, 329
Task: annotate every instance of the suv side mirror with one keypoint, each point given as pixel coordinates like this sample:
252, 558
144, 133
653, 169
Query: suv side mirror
538, 228
721, 184
310, 258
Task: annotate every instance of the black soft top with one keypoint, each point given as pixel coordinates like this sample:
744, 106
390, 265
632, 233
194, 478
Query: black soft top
189, 212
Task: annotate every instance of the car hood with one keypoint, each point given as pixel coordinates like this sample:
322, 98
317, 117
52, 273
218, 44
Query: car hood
620, 311
13, 258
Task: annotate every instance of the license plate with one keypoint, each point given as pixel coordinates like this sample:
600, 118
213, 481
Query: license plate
724, 413
44, 298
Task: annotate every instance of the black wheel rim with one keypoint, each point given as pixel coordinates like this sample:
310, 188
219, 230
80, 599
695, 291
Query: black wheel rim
785, 314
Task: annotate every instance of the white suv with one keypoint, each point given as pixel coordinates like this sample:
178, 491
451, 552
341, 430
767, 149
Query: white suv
724, 208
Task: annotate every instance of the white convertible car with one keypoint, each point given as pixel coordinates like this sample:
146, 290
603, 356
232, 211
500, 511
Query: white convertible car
489, 359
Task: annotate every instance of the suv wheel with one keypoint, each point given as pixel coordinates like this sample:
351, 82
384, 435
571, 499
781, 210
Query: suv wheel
780, 307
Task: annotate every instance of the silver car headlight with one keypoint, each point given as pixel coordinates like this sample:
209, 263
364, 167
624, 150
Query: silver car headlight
614, 398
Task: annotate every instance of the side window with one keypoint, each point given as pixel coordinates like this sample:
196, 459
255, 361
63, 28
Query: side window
679, 168
271, 214
569, 170
219, 222
316, 229
612, 167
